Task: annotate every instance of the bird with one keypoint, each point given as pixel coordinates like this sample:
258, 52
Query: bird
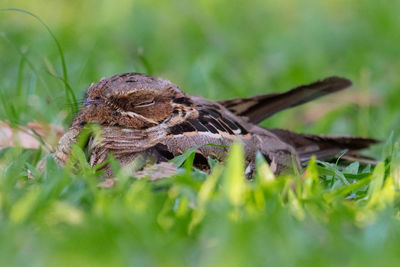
141, 116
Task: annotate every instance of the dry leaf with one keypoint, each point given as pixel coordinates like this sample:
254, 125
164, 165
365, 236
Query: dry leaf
319, 110
13, 137
158, 171
30, 176
26, 136
108, 183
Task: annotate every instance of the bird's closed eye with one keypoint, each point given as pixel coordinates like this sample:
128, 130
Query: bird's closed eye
145, 104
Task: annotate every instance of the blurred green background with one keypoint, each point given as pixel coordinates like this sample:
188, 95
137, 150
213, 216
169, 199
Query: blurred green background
217, 49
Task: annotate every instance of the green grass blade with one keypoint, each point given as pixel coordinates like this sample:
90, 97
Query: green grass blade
69, 93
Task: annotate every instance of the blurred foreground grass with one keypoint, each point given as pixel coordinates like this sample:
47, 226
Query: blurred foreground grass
218, 49
325, 217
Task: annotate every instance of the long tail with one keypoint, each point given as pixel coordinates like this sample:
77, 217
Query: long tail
258, 108
325, 147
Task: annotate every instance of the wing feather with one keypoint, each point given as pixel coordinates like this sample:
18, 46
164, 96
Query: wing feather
258, 108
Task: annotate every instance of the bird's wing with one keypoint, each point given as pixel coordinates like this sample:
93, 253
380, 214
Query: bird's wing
258, 108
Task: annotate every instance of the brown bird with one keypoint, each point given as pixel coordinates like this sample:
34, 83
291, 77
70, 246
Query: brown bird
141, 115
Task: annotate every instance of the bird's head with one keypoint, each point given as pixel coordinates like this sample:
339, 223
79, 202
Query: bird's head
133, 100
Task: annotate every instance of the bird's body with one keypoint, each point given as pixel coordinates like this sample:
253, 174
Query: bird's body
142, 115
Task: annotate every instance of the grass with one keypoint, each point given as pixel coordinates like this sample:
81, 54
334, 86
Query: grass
327, 215
62, 218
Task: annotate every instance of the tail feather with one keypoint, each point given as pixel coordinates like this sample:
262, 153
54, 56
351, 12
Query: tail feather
354, 156
258, 108
324, 147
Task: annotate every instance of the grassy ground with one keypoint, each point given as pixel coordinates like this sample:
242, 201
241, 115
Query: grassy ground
218, 49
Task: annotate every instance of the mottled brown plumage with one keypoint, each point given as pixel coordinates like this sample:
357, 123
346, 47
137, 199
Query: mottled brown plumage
144, 116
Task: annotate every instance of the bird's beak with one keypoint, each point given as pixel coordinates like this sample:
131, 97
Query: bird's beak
88, 101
